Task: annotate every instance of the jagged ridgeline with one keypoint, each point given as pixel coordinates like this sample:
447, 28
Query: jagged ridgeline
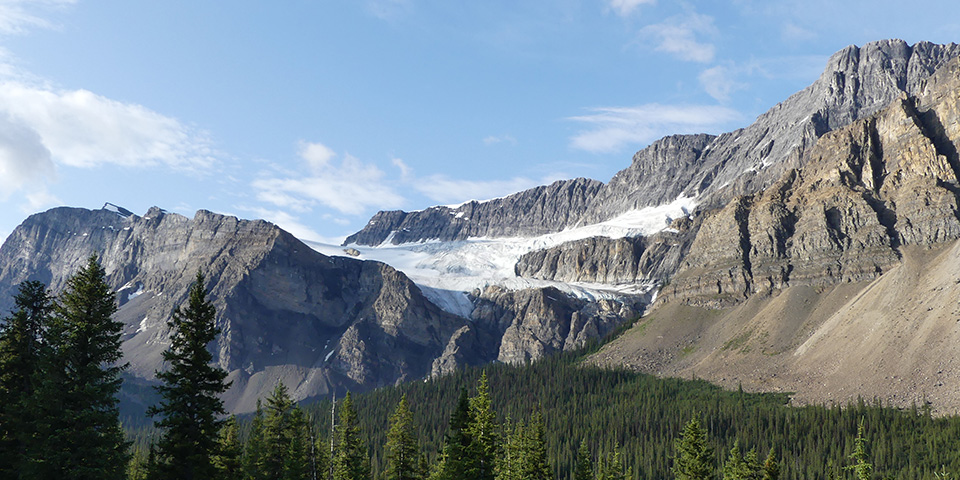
821, 253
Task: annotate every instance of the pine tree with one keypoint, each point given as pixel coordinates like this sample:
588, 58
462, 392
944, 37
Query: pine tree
20, 349
276, 432
484, 434
694, 458
296, 460
584, 467
79, 430
771, 467
350, 461
402, 452
228, 461
253, 451
509, 464
321, 459
190, 406
455, 459
862, 469
535, 466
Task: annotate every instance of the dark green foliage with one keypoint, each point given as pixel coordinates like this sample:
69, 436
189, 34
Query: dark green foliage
228, 459
190, 406
861, 467
403, 455
455, 459
740, 467
584, 466
771, 467
350, 461
254, 450
20, 350
694, 457
484, 432
78, 428
524, 453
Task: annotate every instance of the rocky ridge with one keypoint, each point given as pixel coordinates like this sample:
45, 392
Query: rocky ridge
869, 189
857, 82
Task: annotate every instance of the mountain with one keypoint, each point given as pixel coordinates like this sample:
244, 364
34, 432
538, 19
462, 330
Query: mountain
840, 280
287, 312
857, 82
812, 251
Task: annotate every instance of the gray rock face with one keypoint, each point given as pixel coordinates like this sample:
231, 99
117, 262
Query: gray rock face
884, 182
536, 211
857, 82
604, 260
286, 312
535, 322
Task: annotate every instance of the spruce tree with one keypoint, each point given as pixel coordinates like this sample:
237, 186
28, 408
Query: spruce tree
484, 434
861, 468
79, 434
771, 467
534, 448
584, 466
350, 461
254, 449
20, 342
455, 460
403, 455
190, 407
694, 458
297, 464
228, 460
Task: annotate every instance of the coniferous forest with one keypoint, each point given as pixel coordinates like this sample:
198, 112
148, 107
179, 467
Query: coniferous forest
558, 418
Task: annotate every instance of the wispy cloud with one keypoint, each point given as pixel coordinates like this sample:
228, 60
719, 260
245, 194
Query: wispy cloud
495, 139
290, 223
349, 185
681, 36
79, 128
720, 82
626, 7
610, 129
20, 16
446, 190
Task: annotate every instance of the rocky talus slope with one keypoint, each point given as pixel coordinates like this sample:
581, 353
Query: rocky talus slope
857, 82
840, 280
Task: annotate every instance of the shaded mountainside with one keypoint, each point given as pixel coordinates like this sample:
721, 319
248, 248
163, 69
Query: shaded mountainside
857, 82
321, 324
839, 280
286, 312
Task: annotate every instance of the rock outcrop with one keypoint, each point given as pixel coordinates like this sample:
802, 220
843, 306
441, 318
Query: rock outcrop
868, 189
534, 322
535, 211
286, 312
857, 82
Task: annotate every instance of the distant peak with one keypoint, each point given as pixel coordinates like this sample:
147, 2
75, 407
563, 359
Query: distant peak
123, 212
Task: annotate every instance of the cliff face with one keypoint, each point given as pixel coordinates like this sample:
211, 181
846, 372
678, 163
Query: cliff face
857, 82
868, 190
839, 280
286, 312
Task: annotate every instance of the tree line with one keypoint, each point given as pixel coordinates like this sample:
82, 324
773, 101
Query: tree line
60, 367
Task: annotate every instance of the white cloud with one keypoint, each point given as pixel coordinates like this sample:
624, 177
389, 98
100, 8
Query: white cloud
19, 16
24, 161
446, 190
40, 200
291, 224
793, 33
405, 170
350, 187
494, 139
679, 36
83, 129
626, 7
719, 82
613, 128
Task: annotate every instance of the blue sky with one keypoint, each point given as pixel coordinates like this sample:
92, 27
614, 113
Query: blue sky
316, 114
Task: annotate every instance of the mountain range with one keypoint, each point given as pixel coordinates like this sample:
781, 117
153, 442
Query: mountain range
814, 251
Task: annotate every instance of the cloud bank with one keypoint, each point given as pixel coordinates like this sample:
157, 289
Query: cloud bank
611, 129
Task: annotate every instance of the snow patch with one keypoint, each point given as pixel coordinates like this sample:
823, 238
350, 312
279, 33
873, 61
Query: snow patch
447, 271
